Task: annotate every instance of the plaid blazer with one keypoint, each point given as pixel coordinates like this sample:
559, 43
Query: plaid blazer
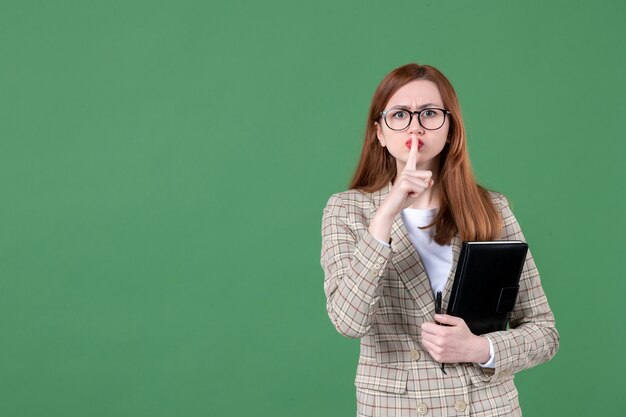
382, 296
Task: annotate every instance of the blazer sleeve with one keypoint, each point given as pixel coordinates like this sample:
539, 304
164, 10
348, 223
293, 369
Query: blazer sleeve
532, 337
353, 262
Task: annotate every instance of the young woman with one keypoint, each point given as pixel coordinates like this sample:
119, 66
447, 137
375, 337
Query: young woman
391, 242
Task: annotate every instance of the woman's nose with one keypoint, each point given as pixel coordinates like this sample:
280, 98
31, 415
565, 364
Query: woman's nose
415, 125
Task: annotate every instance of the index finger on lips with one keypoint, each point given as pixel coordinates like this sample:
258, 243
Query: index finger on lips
411, 163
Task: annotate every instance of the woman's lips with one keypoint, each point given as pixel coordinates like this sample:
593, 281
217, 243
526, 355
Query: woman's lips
419, 144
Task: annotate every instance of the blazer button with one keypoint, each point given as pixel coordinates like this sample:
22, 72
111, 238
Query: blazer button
415, 354
460, 405
422, 409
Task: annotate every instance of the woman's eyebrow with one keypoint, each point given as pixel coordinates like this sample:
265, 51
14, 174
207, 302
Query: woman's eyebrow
406, 107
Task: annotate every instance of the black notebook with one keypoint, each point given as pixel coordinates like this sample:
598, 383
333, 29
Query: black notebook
486, 283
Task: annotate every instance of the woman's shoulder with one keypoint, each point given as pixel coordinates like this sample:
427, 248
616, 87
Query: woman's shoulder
498, 199
502, 204
354, 205
353, 197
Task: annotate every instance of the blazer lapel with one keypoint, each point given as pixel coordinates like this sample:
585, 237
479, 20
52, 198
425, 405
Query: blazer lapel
456, 250
407, 262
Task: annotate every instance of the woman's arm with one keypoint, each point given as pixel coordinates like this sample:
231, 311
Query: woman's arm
532, 337
353, 262
530, 340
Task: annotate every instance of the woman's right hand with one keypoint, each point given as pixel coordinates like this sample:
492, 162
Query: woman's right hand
409, 184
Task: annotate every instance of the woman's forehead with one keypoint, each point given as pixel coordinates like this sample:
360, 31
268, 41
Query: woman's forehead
416, 94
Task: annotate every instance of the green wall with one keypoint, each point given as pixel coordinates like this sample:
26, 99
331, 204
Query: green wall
164, 166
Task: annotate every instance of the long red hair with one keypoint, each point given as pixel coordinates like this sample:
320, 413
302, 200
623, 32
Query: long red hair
465, 207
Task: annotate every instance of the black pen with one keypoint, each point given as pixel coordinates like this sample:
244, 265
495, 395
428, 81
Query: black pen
438, 311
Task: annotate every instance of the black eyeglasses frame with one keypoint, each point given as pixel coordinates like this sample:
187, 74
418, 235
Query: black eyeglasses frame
383, 114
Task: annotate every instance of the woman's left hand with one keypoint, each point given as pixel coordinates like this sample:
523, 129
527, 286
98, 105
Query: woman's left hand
453, 342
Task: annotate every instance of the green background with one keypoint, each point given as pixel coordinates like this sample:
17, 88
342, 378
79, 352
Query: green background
163, 171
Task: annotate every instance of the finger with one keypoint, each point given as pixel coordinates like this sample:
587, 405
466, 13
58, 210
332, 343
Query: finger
432, 347
411, 162
405, 181
412, 187
408, 180
418, 173
449, 320
430, 328
429, 346
434, 350
415, 185
427, 339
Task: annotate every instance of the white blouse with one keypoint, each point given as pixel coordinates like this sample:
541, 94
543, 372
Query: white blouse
437, 259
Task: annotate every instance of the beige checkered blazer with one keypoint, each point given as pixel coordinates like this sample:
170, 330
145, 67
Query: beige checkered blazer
382, 296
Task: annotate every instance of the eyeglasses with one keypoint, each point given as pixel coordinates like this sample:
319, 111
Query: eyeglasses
430, 118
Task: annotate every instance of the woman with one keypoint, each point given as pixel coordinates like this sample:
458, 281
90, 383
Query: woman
391, 242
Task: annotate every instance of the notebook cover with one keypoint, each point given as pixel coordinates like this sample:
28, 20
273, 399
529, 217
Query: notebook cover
486, 284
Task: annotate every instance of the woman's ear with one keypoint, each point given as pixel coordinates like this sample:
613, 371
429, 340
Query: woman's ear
379, 134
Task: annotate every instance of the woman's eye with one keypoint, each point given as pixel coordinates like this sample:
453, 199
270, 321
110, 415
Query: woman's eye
400, 114
429, 113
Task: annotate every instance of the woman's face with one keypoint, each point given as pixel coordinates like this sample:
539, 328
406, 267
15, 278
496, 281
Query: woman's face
415, 96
